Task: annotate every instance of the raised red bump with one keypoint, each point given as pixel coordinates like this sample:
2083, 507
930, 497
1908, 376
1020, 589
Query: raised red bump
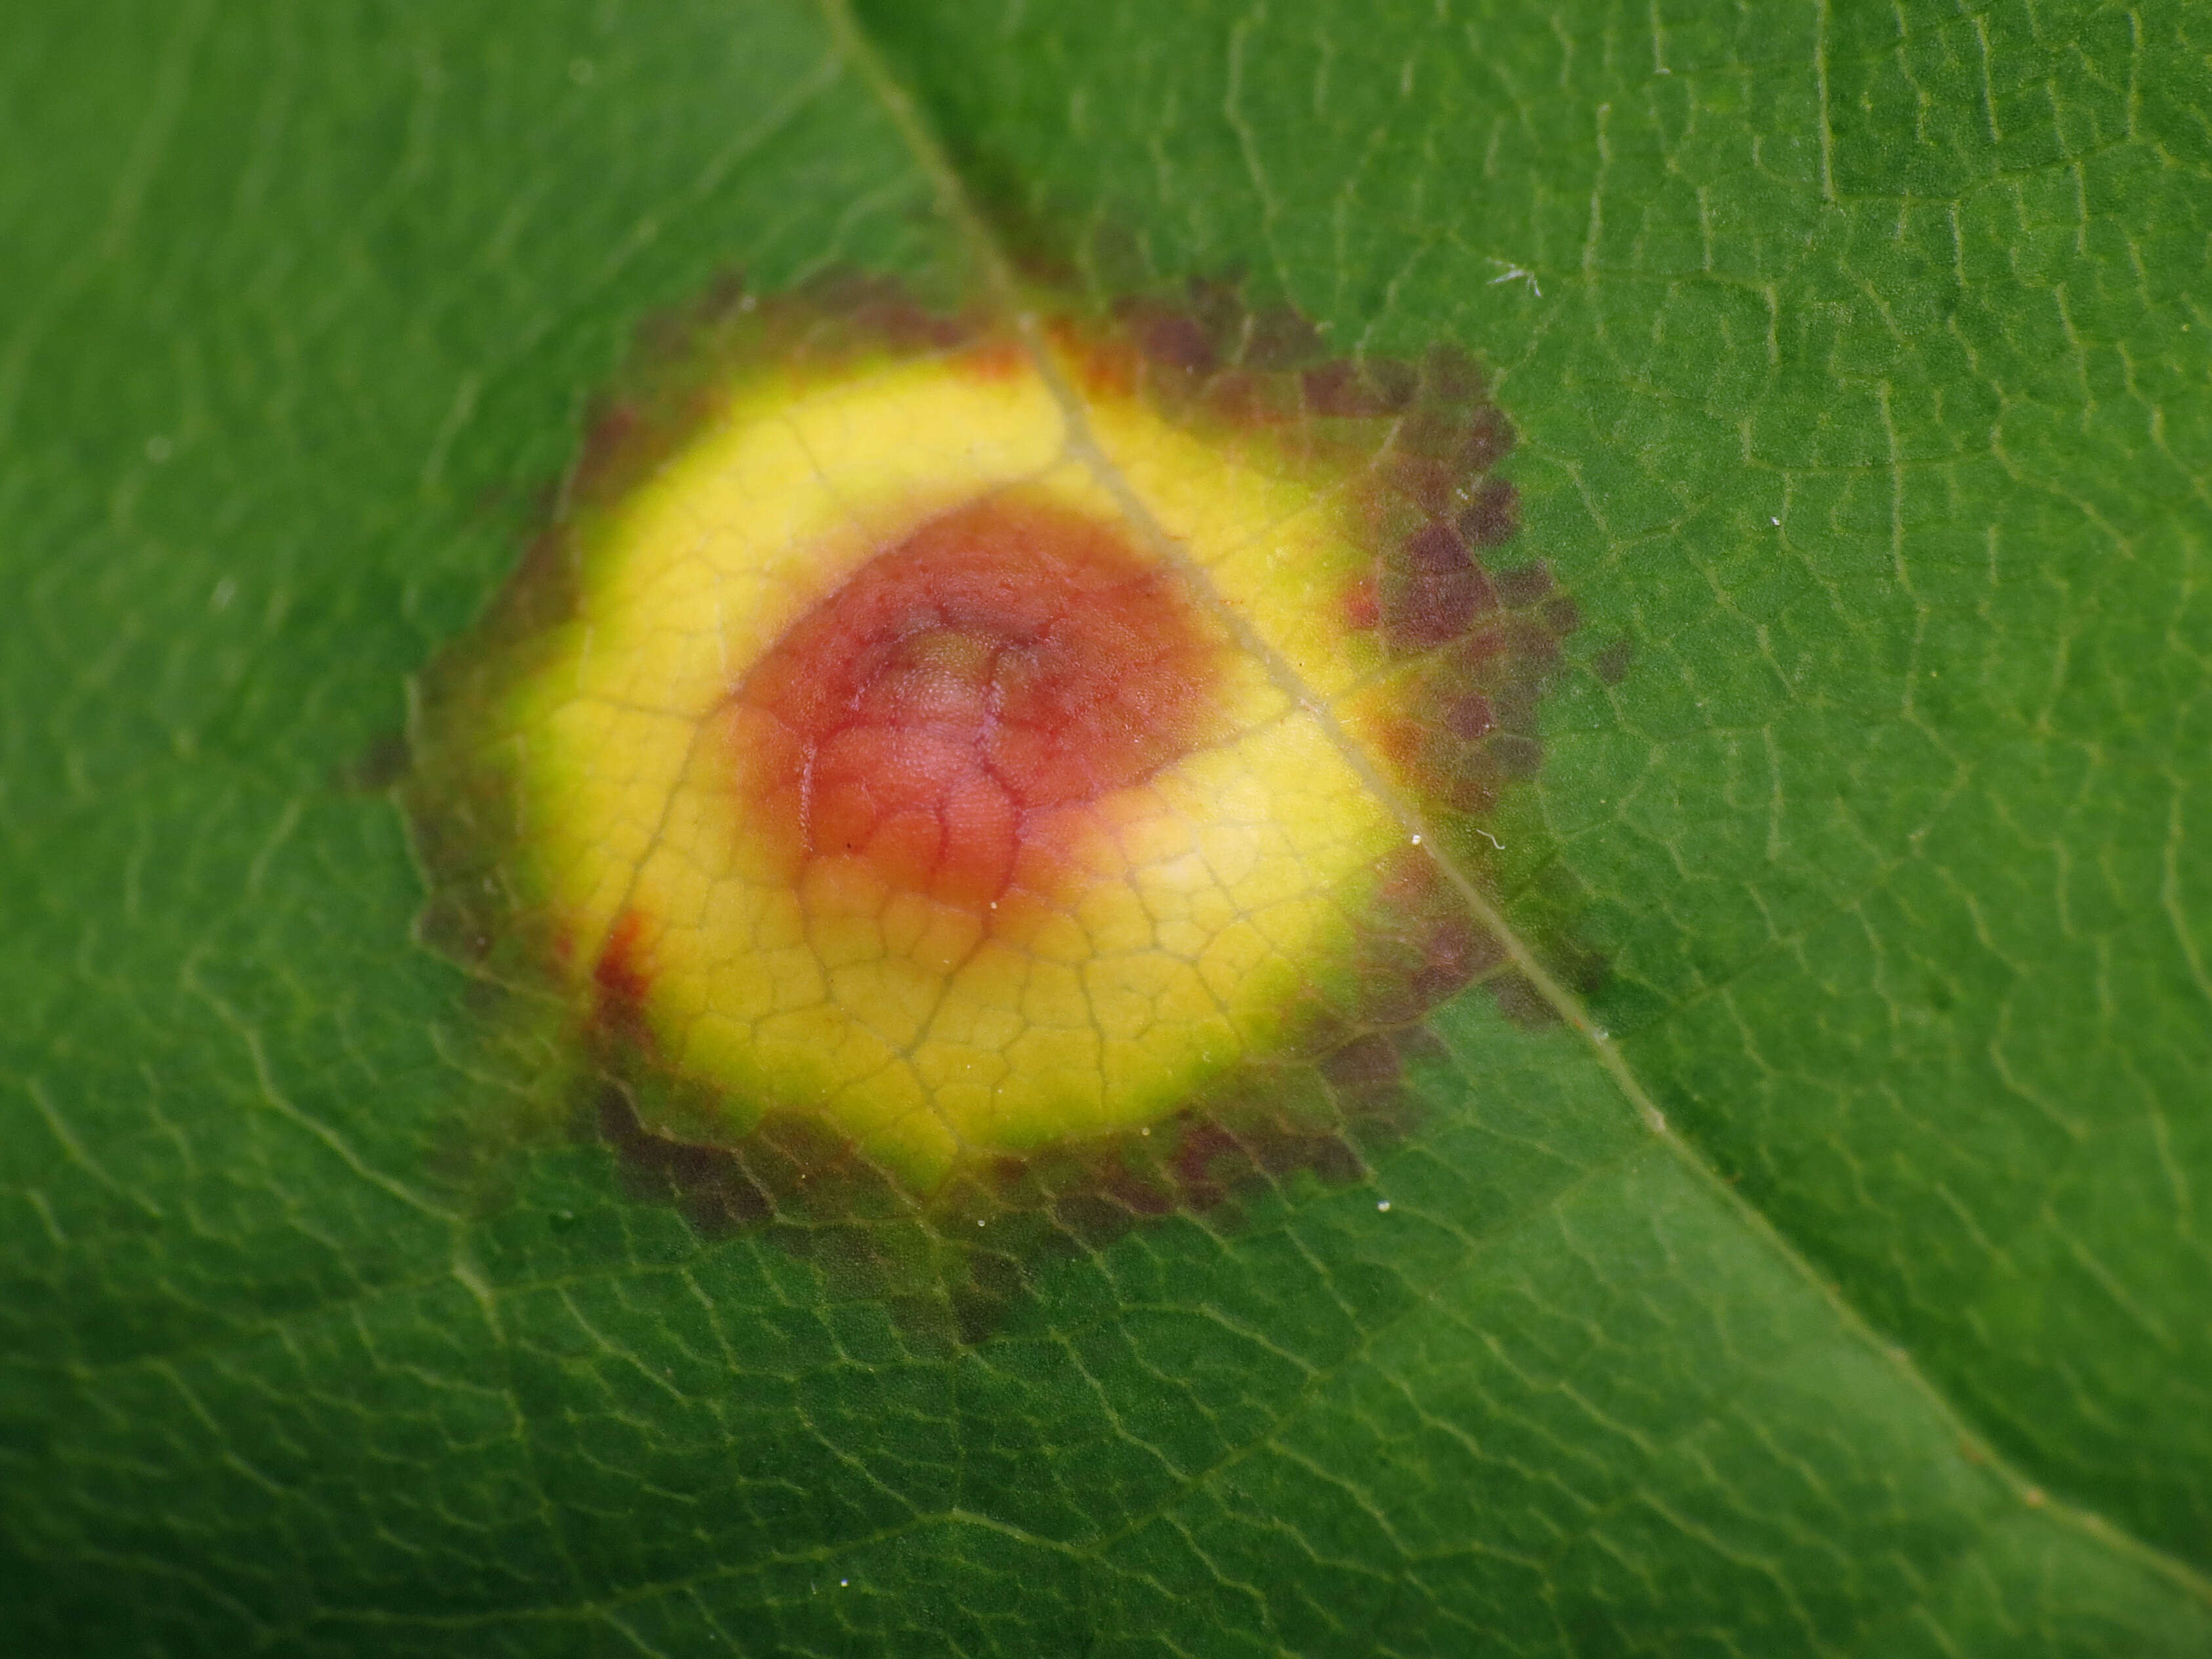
944, 719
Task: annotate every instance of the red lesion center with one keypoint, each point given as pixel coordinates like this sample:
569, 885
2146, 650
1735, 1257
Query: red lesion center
947, 714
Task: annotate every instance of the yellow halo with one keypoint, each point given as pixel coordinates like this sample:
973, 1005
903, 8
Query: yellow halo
1195, 904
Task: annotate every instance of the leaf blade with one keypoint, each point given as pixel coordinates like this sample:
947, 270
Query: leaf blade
1562, 1372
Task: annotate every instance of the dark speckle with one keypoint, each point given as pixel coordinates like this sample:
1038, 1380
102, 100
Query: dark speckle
1611, 664
1520, 1001
1493, 515
1436, 549
1469, 716
1489, 439
376, 768
1525, 584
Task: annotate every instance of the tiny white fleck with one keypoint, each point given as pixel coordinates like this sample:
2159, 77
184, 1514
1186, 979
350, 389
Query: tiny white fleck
844, 1580
1143, 1132
1417, 840
1772, 520
159, 449
1383, 1204
979, 1224
1510, 272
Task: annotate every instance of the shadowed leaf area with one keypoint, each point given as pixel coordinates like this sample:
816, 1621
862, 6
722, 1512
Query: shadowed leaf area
1829, 1276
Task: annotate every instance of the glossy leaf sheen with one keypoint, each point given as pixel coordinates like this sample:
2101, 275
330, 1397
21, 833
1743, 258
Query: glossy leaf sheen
1862, 407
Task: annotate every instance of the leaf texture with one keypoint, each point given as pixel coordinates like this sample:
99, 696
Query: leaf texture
1830, 1279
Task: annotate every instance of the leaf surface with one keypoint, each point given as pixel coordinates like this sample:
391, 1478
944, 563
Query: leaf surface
1863, 412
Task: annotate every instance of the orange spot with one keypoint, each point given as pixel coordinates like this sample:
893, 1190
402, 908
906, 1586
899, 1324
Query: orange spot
1100, 368
994, 360
620, 975
1362, 608
944, 717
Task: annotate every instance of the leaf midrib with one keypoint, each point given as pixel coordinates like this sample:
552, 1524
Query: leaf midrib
958, 208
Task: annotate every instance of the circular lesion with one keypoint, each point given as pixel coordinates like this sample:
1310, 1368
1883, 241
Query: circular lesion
1006, 840
874, 771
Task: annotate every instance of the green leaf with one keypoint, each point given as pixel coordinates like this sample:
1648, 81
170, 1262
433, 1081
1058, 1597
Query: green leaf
1835, 1282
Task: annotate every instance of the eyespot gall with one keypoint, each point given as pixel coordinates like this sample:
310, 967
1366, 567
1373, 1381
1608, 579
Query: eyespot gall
964, 762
